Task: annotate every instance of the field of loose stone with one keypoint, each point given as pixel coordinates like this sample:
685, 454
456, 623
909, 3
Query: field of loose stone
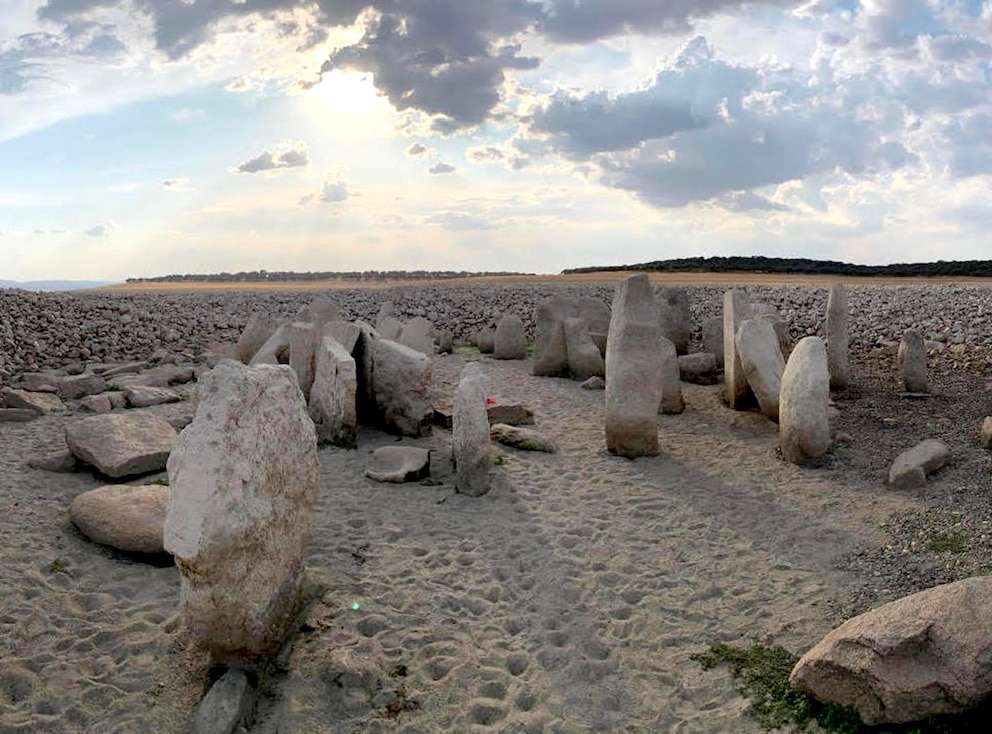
570, 597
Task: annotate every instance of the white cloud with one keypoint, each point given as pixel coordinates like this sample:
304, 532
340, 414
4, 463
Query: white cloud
296, 156
440, 168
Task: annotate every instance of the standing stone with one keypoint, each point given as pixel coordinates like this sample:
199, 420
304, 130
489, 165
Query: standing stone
804, 426
735, 310
332, 397
838, 359
472, 446
485, 340
303, 341
322, 311
584, 358
713, 339
276, 348
985, 433
511, 340
633, 370
401, 382
256, 333
389, 328
418, 335
243, 479
365, 406
386, 310
761, 358
781, 331
671, 380
699, 368
550, 348
676, 323
344, 333
596, 315
911, 361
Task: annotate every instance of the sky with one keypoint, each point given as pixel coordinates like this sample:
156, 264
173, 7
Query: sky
149, 137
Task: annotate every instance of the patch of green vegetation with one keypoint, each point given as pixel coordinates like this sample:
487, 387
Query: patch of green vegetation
952, 541
113, 387
499, 460
59, 566
162, 481
529, 347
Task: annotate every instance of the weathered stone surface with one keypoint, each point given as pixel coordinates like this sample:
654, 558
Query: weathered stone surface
584, 357
365, 406
445, 341
386, 310
418, 335
116, 398
713, 339
485, 340
911, 467
322, 310
39, 382
389, 328
699, 368
804, 425
838, 351
594, 383
511, 340
122, 516
79, 386
226, 704
332, 405
985, 433
398, 464
671, 380
143, 397
525, 439
781, 332
761, 359
128, 368
735, 310
911, 361
512, 415
401, 380
275, 350
244, 485
62, 461
17, 415
40, 402
926, 654
443, 418
344, 333
676, 323
100, 404
550, 348
633, 370
122, 444
256, 333
471, 443
304, 337
595, 313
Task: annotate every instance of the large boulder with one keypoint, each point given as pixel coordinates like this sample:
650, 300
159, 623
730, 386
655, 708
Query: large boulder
40, 402
911, 361
926, 654
550, 348
838, 358
389, 328
761, 358
485, 340
735, 310
122, 516
633, 370
304, 337
471, 443
244, 485
510, 341
911, 467
584, 358
399, 464
804, 425
401, 383
256, 332
418, 334
79, 386
332, 405
122, 444
671, 379
676, 324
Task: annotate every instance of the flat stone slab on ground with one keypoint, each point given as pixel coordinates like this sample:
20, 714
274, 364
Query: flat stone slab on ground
525, 439
40, 402
911, 467
511, 415
594, 383
143, 396
122, 444
122, 516
17, 415
60, 462
399, 464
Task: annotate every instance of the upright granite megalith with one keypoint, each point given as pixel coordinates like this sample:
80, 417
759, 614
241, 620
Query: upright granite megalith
671, 379
510, 340
761, 358
633, 370
838, 357
471, 444
243, 480
912, 361
676, 324
401, 383
804, 425
332, 405
735, 310
550, 349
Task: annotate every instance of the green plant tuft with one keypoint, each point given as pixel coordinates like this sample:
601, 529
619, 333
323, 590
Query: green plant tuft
162, 481
59, 566
952, 541
113, 387
499, 460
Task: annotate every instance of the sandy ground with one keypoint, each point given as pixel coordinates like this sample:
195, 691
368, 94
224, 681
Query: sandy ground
569, 599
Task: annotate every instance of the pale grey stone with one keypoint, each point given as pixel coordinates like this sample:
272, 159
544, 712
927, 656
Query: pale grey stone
256, 333
304, 337
399, 464
144, 397
128, 518
510, 341
62, 461
584, 357
332, 405
911, 467
418, 335
838, 356
79, 386
550, 348
525, 439
513, 415
344, 333
804, 424
713, 339
226, 705
471, 442
671, 380
485, 340
40, 402
594, 383
911, 361
676, 323
122, 444
985, 433
735, 310
761, 359
401, 380
699, 368
275, 350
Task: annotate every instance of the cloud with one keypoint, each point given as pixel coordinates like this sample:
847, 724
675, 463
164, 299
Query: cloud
100, 230
294, 157
418, 150
440, 168
333, 192
179, 184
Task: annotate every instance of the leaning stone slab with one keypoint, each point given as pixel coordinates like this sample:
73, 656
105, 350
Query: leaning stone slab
227, 703
911, 361
735, 310
144, 397
510, 341
275, 350
470, 433
401, 380
256, 333
584, 358
803, 420
911, 467
244, 485
304, 337
633, 370
838, 358
389, 328
757, 347
124, 517
399, 464
40, 402
344, 333
925, 654
525, 439
79, 386
594, 313
122, 444
332, 405
713, 339
698, 368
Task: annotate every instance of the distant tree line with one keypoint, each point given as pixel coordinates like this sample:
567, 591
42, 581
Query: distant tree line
258, 276
802, 265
